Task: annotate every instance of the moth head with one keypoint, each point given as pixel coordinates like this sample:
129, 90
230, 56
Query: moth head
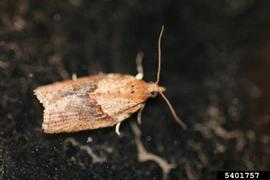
154, 89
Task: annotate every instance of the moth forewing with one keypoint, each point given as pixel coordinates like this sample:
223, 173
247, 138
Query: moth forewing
90, 103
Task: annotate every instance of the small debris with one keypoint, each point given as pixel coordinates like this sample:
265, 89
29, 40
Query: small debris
214, 127
143, 155
89, 139
95, 158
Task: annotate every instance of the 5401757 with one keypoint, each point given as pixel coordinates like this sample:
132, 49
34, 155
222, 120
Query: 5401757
243, 175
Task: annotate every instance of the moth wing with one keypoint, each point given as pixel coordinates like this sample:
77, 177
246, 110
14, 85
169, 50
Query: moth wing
51, 93
74, 113
68, 108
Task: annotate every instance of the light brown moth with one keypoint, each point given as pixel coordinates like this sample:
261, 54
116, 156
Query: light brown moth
98, 101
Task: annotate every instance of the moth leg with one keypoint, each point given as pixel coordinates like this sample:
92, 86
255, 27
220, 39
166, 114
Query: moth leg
117, 126
139, 59
74, 76
139, 115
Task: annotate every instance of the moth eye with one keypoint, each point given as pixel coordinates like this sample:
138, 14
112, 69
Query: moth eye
153, 94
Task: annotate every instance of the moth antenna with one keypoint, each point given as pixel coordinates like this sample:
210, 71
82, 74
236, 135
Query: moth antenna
159, 54
177, 119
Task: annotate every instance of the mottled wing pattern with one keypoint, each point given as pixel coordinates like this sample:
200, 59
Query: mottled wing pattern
74, 113
50, 93
68, 108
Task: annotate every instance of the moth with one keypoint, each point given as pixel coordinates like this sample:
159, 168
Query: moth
98, 101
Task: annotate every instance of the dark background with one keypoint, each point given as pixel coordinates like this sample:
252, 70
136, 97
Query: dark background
216, 67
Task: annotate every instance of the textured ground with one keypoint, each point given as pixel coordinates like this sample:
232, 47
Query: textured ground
216, 66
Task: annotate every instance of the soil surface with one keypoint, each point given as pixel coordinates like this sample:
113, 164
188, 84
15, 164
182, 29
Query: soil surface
215, 66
